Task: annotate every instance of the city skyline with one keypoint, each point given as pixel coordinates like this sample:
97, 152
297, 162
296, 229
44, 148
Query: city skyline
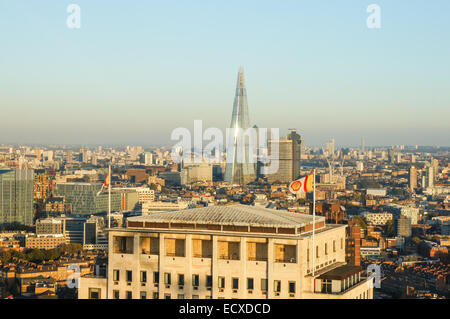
303, 70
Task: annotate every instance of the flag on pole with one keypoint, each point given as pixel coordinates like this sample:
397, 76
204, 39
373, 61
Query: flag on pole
105, 184
302, 185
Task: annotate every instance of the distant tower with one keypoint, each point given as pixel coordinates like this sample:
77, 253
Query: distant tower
362, 144
238, 169
412, 178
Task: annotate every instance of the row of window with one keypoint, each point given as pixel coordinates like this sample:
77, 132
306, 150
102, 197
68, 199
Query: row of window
226, 250
208, 281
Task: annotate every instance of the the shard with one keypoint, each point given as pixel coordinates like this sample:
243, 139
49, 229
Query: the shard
240, 168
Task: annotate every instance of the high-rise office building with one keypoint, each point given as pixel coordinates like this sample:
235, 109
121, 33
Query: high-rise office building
404, 227
428, 177
412, 178
289, 151
84, 200
16, 196
240, 168
363, 144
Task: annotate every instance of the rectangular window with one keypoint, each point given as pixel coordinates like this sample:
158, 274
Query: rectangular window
326, 249
180, 279
264, 284
250, 283
155, 295
208, 281
292, 287
276, 285
94, 293
129, 275
195, 280
317, 251
307, 255
167, 278
116, 294
235, 282
180, 296
156, 277
129, 295
143, 276
116, 275
167, 296
123, 245
334, 246
143, 295
326, 286
222, 282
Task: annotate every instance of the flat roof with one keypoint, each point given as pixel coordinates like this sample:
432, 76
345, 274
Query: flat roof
235, 215
341, 272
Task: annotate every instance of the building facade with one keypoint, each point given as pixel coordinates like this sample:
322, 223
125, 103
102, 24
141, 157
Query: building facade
227, 252
16, 196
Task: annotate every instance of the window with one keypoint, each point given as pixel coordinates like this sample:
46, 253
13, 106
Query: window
264, 284
156, 277
149, 245
326, 286
175, 247
167, 296
195, 297
129, 275
116, 275
235, 282
123, 245
334, 246
292, 287
143, 295
167, 278
221, 282
342, 243
208, 281
307, 255
326, 249
155, 295
143, 276
195, 280
94, 293
276, 285
180, 296
129, 295
180, 279
317, 251
250, 283
116, 294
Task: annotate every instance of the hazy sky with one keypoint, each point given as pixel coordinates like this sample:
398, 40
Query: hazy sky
136, 70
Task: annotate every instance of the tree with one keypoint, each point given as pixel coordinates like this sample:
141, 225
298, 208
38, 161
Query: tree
362, 221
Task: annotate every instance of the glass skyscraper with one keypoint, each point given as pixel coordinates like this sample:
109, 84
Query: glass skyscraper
239, 169
16, 196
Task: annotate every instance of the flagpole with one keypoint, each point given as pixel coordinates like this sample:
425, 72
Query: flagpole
314, 223
109, 197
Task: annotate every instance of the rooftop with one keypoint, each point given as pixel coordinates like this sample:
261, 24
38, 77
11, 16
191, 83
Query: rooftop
241, 216
341, 273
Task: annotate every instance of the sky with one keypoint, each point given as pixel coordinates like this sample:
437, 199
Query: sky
136, 70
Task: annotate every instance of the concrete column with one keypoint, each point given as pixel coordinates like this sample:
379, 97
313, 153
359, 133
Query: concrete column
188, 288
161, 266
243, 257
214, 274
270, 263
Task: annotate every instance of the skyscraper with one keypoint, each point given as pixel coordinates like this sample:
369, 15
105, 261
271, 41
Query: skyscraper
363, 144
239, 169
289, 151
16, 196
412, 178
